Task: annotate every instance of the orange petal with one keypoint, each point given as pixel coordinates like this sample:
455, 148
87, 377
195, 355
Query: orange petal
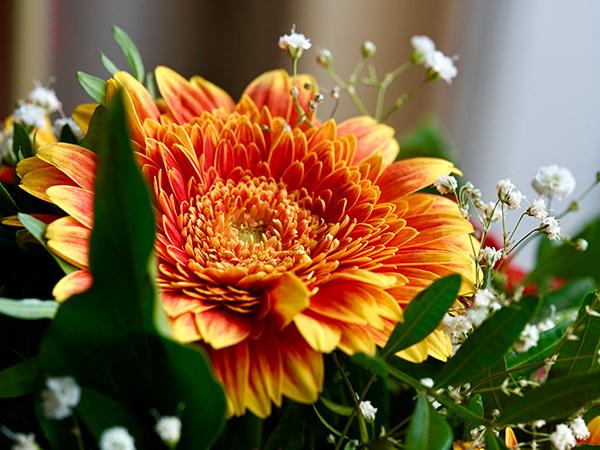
71, 284
82, 115
75, 201
356, 339
273, 90
594, 427
302, 367
232, 366
220, 328
30, 164
287, 298
411, 175
322, 335
510, 440
76, 162
371, 137
184, 328
215, 95
37, 182
346, 301
185, 100
70, 240
141, 100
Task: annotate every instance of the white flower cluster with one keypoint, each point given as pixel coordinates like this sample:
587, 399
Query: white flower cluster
528, 339
60, 397
565, 437
508, 194
554, 182
294, 43
30, 114
44, 97
116, 438
438, 63
169, 430
40, 102
489, 256
446, 184
24, 442
551, 228
538, 209
490, 211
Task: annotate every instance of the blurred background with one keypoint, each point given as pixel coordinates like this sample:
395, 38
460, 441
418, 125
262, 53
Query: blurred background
526, 94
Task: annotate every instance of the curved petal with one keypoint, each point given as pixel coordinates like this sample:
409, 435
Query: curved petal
371, 137
76, 162
38, 182
273, 90
71, 284
82, 115
411, 175
141, 100
75, 201
287, 298
70, 240
215, 95
232, 367
220, 328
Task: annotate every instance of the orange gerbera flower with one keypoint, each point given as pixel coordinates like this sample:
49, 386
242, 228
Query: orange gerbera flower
276, 243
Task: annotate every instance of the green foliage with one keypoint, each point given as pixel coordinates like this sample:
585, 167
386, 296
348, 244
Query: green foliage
21, 143
95, 87
28, 308
425, 140
423, 314
106, 337
493, 442
67, 135
488, 343
555, 399
20, 379
428, 430
8, 206
131, 53
110, 66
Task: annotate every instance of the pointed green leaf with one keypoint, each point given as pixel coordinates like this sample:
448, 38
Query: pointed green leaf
476, 406
493, 442
67, 135
341, 410
21, 142
131, 53
28, 308
110, 66
8, 207
488, 343
94, 86
20, 379
37, 228
423, 314
428, 430
555, 399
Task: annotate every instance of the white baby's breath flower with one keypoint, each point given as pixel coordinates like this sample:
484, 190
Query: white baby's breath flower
294, 43
456, 327
30, 114
529, 338
484, 297
491, 212
579, 428
441, 65
539, 423
325, 58
6, 143
538, 209
551, 228
490, 256
169, 429
116, 438
423, 47
562, 438
44, 97
446, 184
554, 182
367, 410
61, 122
427, 382
508, 194
581, 245
60, 397
545, 325
24, 442
330, 438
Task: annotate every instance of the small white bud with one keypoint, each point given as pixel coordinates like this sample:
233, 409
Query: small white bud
427, 382
367, 410
368, 49
169, 430
581, 245
325, 58
446, 184
116, 438
294, 43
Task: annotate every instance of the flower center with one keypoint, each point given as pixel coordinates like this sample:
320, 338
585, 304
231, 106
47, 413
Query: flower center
253, 224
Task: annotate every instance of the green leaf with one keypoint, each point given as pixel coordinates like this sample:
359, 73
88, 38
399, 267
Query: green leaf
28, 308
373, 364
488, 343
493, 442
425, 140
534, 357
581, 356
427, 430
8, 207
150, 84
94, 86
475, 405
131, 53
95, 134
423, 314
105, 337
21, 143
110, 66
289, 433
554, 400
20, 379
37, 228
67, 135
566, 299
341, 410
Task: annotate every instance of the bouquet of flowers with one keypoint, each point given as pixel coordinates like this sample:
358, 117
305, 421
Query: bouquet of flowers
184, 271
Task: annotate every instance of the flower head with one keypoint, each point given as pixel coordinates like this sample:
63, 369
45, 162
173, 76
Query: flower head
581, 245
24, 442
441, 66
490, 256
491, 212
538, 209
325, 58
60, 397
44, 97
562, 438
508, 194
294, 43
445, 184
423, 47
169, 429
529, 338
554, 182
579, 428
367, 410
368, 49
116, 438
30, 114
551, 228
276, 241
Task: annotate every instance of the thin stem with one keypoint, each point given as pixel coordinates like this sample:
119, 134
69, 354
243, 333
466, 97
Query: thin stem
400, 101
303, 117
350, 89
579, 199
77, 433
516, 226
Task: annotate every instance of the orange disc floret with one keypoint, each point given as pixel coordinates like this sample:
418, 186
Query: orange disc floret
277, 240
